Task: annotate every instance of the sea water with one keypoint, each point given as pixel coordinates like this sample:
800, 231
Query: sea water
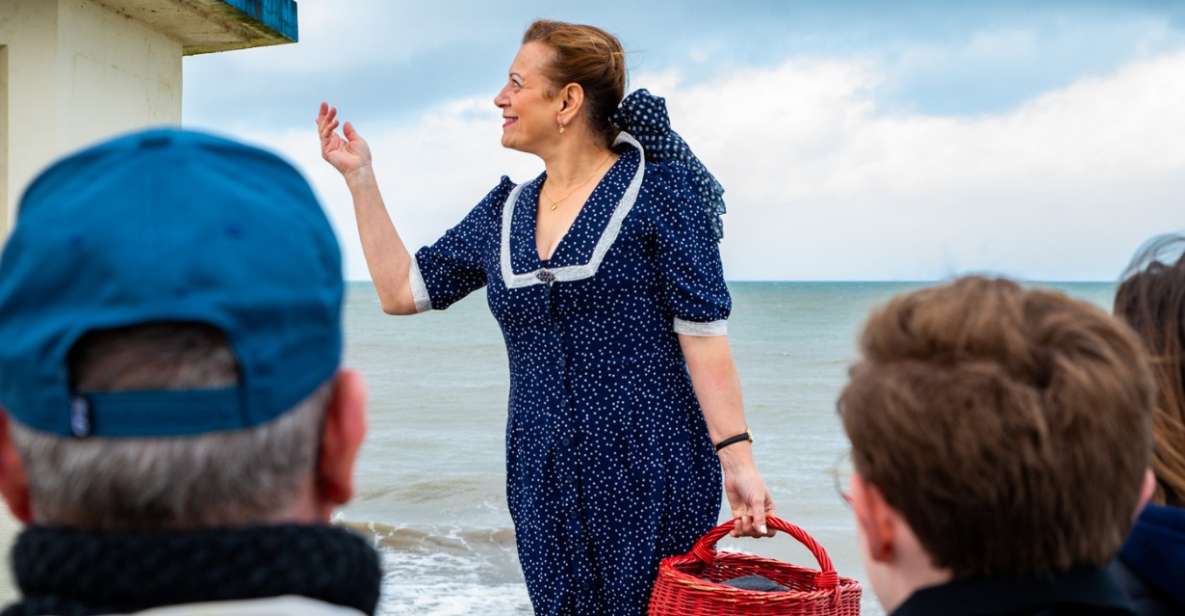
431, 480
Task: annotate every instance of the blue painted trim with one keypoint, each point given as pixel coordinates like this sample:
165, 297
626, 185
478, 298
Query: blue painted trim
278, 15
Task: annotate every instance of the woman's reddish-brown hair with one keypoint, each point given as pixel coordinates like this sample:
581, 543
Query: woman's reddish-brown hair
588, 56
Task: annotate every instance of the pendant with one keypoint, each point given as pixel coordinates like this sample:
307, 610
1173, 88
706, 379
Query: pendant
553, 207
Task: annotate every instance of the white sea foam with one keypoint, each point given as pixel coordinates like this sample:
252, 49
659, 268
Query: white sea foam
445, 585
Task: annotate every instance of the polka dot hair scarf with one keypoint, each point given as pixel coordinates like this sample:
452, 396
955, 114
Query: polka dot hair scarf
644, 116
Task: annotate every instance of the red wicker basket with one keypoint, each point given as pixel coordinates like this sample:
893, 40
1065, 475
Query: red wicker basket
690, 584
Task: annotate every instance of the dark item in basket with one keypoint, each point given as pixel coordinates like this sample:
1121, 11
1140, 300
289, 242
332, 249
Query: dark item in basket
760, 583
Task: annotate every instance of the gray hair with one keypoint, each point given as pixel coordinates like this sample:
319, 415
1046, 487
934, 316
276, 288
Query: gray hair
218, 479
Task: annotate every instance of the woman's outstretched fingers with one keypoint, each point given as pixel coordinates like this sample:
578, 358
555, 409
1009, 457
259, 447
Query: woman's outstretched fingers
324, 111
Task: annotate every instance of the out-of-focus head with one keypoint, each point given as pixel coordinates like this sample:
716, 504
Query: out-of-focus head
995, 430
565, 75
172, 327
1151, 299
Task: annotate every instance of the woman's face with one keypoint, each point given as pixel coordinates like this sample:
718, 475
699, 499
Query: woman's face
528, 113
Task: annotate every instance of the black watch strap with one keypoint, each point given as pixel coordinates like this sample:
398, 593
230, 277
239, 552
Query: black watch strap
732, 440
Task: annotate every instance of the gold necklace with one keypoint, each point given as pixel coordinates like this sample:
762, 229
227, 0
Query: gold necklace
555, 202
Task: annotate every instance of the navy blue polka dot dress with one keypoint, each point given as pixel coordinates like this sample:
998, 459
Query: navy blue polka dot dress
609, 465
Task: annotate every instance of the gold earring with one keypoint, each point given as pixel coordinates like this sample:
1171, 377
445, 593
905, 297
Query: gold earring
561, 129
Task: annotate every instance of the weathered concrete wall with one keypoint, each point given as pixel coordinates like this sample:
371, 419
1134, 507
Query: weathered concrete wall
8, 525
28, 32
82, 70
206, 26
4, 145
115, 74
79, 72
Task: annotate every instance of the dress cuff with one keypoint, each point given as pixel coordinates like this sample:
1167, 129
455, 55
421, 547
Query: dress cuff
693, 328
419, 290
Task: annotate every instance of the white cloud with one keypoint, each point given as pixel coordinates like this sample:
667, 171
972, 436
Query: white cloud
824, 185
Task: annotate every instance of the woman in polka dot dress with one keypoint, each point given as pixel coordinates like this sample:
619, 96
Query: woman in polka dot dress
604, 274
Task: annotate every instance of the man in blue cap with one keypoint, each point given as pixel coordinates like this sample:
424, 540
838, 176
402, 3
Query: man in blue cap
176, 429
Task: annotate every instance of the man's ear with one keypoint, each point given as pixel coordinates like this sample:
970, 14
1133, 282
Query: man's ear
14, 484
876, 519
341, 439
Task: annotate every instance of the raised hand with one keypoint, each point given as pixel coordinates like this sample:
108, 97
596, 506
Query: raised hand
348, 154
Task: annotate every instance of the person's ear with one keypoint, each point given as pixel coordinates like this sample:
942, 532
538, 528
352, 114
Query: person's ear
1147, 490
14, 484
876, 519
571, 99
341, 439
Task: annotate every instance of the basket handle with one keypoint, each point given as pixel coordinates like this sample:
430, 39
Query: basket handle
705, 548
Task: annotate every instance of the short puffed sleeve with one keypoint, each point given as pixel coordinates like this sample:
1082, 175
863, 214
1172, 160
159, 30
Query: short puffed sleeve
689, 257
455, 265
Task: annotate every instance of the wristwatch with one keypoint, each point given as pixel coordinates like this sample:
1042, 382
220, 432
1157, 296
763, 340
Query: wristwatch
747, 435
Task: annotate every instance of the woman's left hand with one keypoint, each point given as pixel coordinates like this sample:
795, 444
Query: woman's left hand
718, 389
747, 495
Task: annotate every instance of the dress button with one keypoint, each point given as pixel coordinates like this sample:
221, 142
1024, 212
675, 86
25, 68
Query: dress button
566, 441
545, 276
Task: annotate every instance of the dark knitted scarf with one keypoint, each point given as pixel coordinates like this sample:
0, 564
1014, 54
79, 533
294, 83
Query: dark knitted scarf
78, 573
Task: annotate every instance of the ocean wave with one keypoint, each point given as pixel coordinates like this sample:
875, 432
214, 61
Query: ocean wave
435, 539
447, 570
444, 585
454, 599
427, 490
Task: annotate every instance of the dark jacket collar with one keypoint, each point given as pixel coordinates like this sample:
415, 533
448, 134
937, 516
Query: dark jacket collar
78, 572
1081, 591
1155, 550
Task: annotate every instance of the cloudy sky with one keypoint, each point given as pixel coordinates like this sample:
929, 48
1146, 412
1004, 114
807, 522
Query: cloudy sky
856, 140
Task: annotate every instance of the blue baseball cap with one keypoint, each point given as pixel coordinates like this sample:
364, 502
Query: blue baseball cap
168, 225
